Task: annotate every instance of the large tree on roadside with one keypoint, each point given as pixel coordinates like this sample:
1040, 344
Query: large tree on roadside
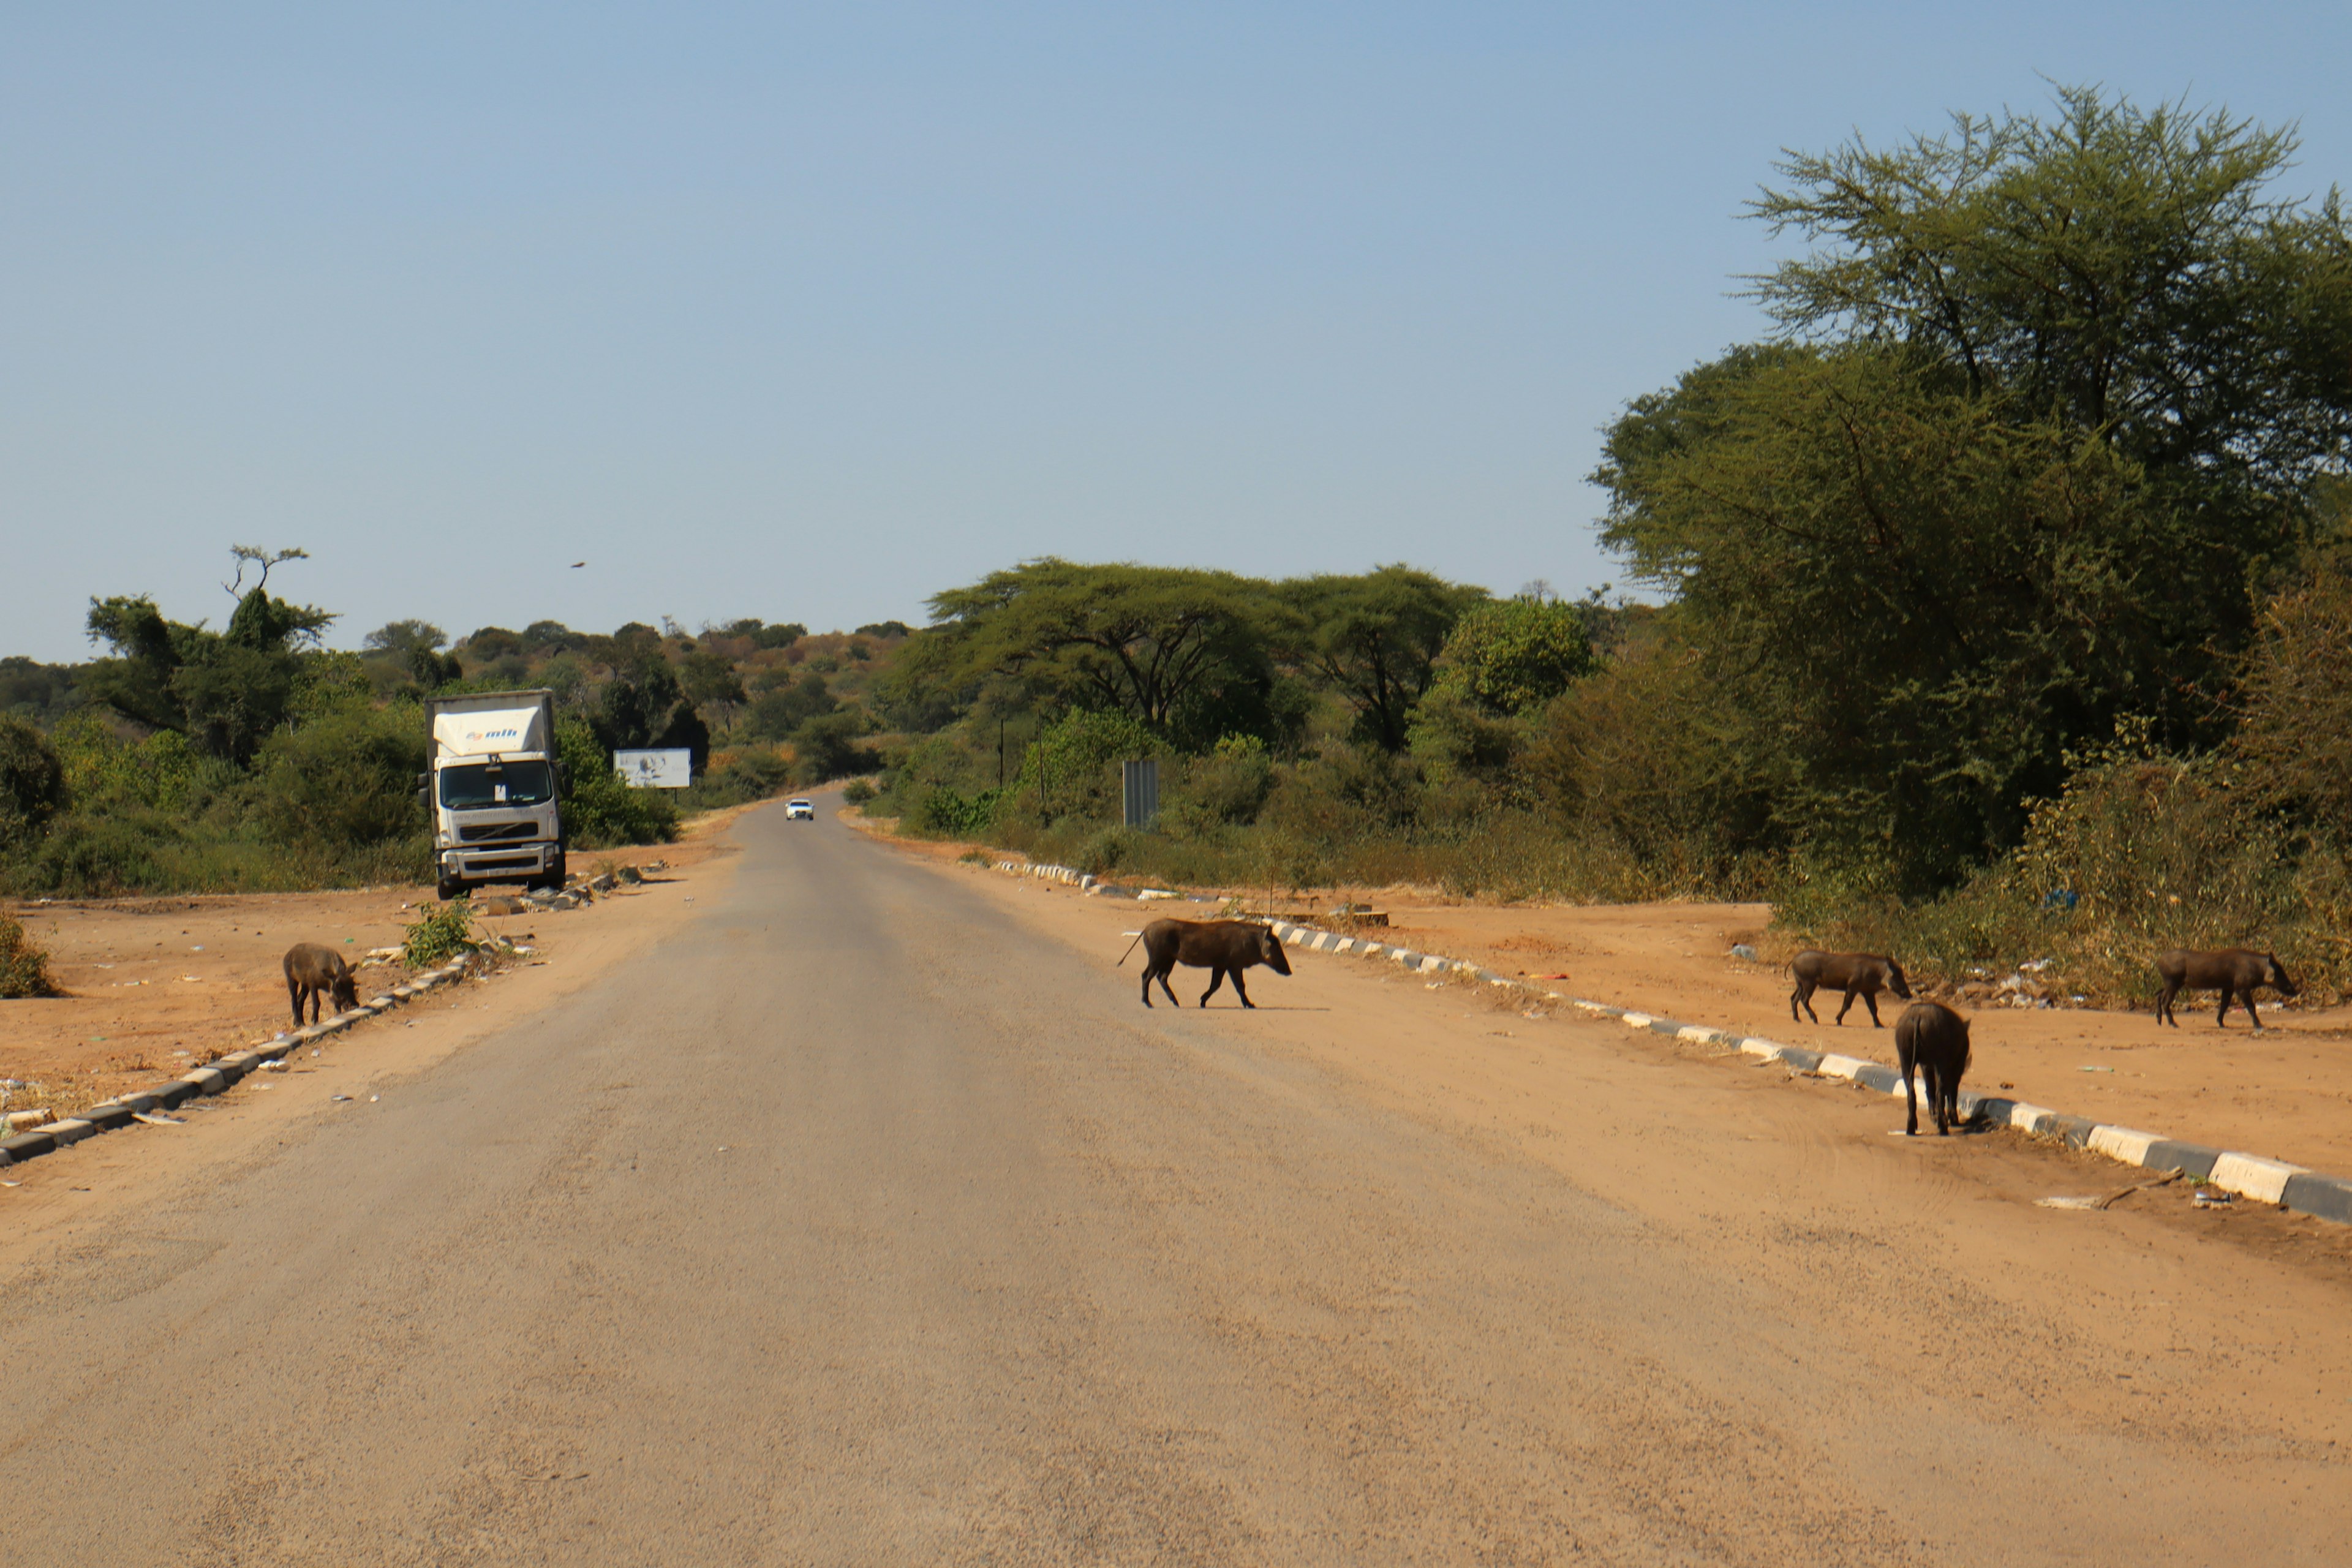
1913, 605
2051, 401
1185, 652
1375, 640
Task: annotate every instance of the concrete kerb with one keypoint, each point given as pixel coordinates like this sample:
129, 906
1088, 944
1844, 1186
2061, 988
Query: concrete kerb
216, 1075
2250, 1175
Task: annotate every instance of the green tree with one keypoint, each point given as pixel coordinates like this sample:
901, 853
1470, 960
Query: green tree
1915, 602
1512, 656
225, 690
2129, 273
712, 682
779, 712
32, 783
600, 810
2052, 398
1375, 638
1183, 652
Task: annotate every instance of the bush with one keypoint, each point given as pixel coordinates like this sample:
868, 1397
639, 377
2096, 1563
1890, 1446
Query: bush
1071, 768
2144, 850
945, 813
857, 791
343, 782
1108, 851
24, 968
99, 857
736, 777
826, 747
600, 811
32, 783
162, 772
439, 934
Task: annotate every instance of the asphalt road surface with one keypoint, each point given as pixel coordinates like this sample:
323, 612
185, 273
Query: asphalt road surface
859, 1223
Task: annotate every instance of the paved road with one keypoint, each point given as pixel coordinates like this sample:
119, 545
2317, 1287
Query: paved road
859, 1225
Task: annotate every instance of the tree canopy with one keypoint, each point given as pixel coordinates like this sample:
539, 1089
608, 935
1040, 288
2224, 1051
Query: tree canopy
1176, 648
2048, 406
1375, 638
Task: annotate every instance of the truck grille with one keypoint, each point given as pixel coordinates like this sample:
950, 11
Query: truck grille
490, 831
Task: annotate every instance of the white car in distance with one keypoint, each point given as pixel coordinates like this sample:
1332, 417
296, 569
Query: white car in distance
799, 811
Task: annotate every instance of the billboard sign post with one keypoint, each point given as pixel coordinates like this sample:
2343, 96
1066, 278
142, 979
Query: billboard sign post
655, 769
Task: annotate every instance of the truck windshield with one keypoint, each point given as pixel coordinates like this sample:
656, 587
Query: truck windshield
475, 785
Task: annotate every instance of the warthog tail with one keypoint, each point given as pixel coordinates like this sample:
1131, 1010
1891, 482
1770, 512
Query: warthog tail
1131, 948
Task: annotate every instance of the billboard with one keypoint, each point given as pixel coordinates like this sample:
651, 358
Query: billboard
655, 769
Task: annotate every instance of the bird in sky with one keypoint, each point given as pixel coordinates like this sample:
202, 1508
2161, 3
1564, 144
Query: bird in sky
577, 564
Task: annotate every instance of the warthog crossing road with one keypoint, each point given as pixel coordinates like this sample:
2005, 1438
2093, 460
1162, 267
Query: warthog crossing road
1227, 947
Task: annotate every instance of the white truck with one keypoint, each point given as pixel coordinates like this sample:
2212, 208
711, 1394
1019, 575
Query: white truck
493, 790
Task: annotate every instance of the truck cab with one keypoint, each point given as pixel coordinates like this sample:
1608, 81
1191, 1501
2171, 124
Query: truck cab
494, 791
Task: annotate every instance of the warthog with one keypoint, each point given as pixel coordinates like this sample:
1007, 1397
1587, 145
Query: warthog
2235, 970
1227, 947
313, 972
1862, 974
1934, 1039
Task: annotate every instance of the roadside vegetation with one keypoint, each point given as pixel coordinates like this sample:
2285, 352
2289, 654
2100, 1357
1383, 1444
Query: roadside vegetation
2000, 594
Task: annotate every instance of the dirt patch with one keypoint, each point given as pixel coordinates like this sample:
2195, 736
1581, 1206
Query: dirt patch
154, 986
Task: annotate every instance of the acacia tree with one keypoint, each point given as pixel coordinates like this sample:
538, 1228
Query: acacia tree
2131, 273
1375, 640
1185, 652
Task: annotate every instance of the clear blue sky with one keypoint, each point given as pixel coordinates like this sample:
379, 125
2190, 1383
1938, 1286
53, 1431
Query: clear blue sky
806, 312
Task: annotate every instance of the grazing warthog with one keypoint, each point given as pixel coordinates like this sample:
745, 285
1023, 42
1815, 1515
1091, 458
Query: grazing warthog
1862, 974
1227, 947
2235, 970
1934, 1039
313, 972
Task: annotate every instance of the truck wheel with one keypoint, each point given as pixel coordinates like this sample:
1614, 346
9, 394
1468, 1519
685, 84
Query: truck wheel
450, 889
555, 873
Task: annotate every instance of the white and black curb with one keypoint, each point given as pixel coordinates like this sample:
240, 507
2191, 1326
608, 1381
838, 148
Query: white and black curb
216, 1075
2250, 1175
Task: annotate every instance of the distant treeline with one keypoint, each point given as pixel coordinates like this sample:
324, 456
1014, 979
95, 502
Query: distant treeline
251, 757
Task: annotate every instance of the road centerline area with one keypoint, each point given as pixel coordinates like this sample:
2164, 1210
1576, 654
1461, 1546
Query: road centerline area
863, 1219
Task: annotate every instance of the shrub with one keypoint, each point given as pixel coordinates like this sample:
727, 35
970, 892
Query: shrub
85, 856
946, 813
32, 783
24, 968
439, 934
346, 781
857, 791
162, 772
825, 746
599, 810
1106, 851
1070, 769
736, 777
